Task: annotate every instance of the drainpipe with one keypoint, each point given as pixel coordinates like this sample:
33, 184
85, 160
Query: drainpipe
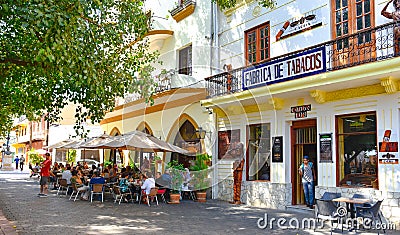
211, 35
216, 34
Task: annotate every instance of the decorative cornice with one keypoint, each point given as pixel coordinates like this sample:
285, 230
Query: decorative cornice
390, 85
319, 96
277, 103
323, 96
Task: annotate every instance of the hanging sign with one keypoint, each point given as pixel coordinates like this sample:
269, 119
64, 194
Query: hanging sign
277, 149
325, 147
300, 111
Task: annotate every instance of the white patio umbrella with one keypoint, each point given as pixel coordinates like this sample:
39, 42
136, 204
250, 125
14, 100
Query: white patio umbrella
140, 141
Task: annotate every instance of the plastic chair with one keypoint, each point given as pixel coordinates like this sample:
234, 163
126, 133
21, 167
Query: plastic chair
62, 185
97, 189
75, 191
118, 194
356, 195
372, 212
329, 196
151, 195
326, 210
161, 192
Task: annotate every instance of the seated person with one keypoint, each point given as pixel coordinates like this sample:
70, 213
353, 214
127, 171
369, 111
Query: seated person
75, 179
166, 179
148, 183
79, 185
124, 185
35, 170
96, 179
159, 181
53, 179
106, 174
67, 175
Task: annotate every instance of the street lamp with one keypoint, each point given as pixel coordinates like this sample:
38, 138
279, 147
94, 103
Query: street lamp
201, 134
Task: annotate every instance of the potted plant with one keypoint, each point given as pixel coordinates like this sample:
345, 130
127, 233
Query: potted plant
176, 170
200, 176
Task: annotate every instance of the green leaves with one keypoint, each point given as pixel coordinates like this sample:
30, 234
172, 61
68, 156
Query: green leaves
59, 51
226, 4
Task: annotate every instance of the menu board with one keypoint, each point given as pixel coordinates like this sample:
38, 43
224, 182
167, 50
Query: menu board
325, 147
277, 149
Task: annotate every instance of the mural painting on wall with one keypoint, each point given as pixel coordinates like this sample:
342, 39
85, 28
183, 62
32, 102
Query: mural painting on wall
229, 145
308, 21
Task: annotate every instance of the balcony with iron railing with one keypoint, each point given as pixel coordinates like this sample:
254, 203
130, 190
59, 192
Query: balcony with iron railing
364, 47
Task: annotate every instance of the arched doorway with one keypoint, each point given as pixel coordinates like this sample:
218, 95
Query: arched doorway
186, 139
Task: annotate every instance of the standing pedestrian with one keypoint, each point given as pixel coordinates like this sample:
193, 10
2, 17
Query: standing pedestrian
16, 160
45, 175
21, 162
307, 173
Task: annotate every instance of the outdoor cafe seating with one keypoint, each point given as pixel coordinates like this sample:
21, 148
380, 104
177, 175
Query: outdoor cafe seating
97, 189
75, 192
119, 195
371, 212
62, 185
326, 210
151, 196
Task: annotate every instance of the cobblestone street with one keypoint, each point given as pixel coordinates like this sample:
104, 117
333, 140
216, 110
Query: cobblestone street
57, 215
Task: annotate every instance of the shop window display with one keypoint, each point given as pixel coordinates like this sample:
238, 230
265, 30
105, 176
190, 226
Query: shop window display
357, 148
259, 146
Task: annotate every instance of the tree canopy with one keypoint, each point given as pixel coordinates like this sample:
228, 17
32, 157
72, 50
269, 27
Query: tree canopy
87, 52
225, 4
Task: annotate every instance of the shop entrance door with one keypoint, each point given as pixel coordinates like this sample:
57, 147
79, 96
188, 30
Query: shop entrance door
303, 142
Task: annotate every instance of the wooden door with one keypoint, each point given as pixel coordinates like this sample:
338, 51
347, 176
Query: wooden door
303, 142
352, 17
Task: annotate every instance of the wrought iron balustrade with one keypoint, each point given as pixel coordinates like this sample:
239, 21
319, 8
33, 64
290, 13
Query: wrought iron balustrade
366, 46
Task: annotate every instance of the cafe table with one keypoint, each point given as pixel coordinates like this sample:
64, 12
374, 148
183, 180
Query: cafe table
350, 203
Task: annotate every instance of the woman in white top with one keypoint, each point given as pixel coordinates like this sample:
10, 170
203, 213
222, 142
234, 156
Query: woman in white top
148, 183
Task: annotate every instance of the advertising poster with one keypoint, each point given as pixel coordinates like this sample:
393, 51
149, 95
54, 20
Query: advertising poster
325, 147
277, 149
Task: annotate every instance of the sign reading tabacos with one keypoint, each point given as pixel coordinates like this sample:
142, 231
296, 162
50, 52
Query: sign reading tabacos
295, 66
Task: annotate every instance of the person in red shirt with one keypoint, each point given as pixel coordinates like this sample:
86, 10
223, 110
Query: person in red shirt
45, 175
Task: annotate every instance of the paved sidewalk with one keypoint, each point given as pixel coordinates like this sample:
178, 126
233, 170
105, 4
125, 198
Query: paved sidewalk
58, 215
6, 226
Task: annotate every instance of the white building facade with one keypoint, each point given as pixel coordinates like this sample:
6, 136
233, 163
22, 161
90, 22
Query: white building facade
317, 78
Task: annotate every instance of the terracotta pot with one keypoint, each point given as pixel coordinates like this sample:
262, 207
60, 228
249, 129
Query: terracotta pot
201, 196
174, 198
